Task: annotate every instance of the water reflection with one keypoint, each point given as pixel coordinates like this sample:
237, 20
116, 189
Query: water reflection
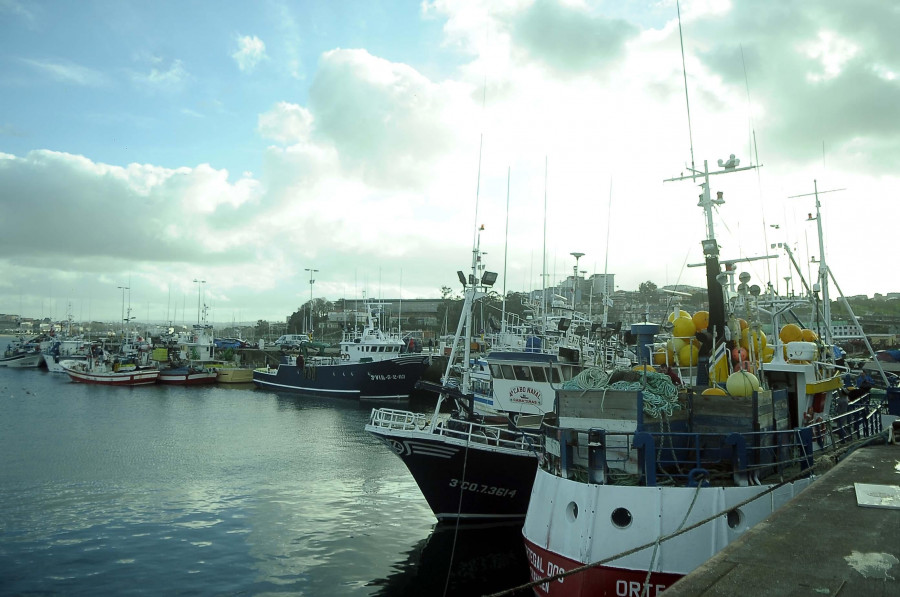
473, 559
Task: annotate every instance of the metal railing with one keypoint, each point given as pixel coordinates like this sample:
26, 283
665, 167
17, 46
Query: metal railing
686, 458
474, 432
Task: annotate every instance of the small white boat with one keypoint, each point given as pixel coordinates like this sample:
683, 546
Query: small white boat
22, 359
22, 354
100, 372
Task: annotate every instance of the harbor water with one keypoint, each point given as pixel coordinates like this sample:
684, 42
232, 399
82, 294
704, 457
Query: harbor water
219, 491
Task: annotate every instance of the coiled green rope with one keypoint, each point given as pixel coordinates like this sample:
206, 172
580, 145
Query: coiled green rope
660, 394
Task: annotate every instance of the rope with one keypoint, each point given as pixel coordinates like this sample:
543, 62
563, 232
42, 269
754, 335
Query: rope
660, 394
664, 538
458, 511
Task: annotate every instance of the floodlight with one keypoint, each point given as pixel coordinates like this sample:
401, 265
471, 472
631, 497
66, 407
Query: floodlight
488, 278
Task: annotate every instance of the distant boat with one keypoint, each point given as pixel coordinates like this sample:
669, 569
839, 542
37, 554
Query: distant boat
102, 372
22, 354
371, 366
189, 375
227, 374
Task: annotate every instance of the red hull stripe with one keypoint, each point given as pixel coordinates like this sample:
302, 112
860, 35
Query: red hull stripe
594, 582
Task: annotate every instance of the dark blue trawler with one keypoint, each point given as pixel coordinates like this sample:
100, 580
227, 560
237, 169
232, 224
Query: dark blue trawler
371, 367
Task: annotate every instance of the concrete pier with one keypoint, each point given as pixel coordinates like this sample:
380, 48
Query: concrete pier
820, 543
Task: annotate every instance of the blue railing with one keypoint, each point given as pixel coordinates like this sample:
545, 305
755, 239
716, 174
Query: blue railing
689, 459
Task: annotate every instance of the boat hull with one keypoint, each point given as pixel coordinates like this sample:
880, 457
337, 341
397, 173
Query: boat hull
385, 380
571, 524
137, 377
234, 375
54, 363
598, 580
184, 377
23, 361
463, 479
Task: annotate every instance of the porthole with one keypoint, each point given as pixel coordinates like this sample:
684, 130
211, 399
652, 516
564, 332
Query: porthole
572, 511
735, 518
621, 518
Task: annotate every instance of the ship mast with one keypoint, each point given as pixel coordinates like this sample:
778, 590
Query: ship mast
709, 244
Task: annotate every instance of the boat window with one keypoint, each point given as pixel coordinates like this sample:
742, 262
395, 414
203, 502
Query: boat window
554, 375
507, 372
621, 518
538, 374
495, 372
522, 373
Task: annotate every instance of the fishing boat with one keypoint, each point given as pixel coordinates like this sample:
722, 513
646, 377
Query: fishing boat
478, 462
62, 349
22, 354
226, 373
372, 366
188, 375
642, 480
109, 372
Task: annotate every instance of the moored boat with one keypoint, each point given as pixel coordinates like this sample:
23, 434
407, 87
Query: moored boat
102, 372
188, 375
479, 462
228, 374
643, 481
22, 358
372, 366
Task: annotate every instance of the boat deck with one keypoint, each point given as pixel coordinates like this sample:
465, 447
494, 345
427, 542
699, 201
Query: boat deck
820, 543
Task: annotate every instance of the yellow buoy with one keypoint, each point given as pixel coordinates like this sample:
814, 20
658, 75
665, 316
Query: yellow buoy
662, 354
701, 320
684, 327
742, 383
768, 353
681, 313
714, 391
644, 368
744, 324
790, 332
758, 339
808, 335
688, 355
676, 344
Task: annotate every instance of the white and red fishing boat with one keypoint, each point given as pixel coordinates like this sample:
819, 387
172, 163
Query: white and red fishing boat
643, 480
109, 373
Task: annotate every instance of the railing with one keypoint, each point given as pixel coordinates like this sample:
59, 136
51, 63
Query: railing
503, 436
688, 459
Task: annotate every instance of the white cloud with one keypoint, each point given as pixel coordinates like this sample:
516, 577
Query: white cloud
171, 79
286, 123
251, 51
68, 72
832, 52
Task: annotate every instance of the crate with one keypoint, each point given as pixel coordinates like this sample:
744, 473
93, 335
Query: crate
723, 414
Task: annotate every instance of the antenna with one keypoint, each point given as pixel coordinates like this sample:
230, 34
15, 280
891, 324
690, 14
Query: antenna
684, 72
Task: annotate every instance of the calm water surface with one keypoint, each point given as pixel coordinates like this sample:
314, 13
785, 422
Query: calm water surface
218, 490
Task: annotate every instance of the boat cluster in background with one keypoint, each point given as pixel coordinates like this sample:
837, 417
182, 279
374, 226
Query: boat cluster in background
631, 466
629, 456
183, 360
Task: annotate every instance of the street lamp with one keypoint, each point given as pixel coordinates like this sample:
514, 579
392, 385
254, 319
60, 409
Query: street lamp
577, 256
311, 282
198, 282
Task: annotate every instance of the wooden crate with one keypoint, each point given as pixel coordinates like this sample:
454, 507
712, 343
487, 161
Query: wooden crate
713, 414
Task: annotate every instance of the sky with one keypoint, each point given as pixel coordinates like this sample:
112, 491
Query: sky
216, 152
